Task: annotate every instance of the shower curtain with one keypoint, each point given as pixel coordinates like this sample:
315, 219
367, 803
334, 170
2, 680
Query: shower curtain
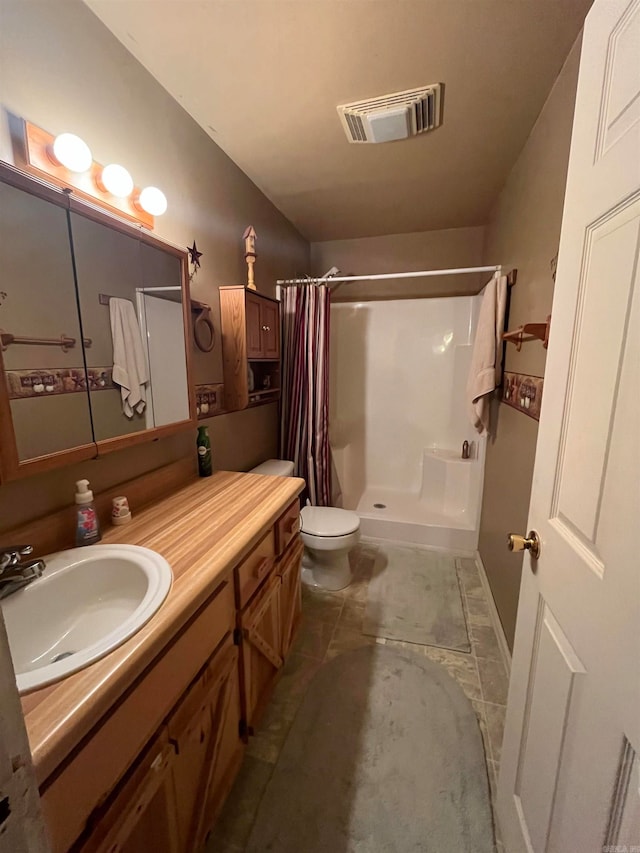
304, 431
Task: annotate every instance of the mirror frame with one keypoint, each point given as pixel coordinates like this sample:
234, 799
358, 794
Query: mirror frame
11, 467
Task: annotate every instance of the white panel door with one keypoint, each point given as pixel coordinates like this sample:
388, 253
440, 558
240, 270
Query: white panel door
569, 777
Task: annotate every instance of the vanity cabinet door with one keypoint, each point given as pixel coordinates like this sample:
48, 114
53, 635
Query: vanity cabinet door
288, 570
270, 329
253, 319
259, 624
142, 818
205, 733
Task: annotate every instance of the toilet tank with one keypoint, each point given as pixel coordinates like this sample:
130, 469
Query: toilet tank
274, 468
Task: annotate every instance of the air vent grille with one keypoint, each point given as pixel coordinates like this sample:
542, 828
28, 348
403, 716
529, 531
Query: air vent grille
392, 117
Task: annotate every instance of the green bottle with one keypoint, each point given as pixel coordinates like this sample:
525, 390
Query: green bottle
203, 444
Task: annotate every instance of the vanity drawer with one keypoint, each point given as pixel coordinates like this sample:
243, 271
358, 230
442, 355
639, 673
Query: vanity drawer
255, 568
287, 527
90, 775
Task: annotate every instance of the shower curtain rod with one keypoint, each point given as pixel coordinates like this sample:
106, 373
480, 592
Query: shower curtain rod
378, 277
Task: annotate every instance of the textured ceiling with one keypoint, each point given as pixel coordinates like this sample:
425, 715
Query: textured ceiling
263, 78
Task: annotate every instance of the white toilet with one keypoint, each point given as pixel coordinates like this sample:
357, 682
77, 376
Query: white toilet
328, 534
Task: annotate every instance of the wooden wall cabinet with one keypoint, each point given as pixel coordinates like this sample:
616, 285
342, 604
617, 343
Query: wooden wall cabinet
250, 347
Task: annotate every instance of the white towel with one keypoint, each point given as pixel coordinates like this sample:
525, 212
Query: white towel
130, 370
486, 361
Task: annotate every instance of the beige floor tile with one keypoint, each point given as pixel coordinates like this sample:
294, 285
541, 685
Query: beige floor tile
292, 685
467, 565
460, 666
352, 614
478, 707
346, 640
321, 605
270, 736
358, 590
493, 679
472, 585
477, 611
493, 790
234, 824
414, 648
485, 642
495, 715
313, 638
362, 558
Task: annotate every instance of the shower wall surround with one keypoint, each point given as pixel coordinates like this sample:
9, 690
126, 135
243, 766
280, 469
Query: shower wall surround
398, 376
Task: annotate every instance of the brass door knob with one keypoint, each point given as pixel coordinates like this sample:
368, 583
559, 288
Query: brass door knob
530, 543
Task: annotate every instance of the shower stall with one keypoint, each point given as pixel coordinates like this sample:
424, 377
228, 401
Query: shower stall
398, 419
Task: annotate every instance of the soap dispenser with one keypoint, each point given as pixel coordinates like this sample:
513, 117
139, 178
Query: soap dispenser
87, 524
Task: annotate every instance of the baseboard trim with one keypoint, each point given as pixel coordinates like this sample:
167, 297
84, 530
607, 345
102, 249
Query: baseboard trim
495, 618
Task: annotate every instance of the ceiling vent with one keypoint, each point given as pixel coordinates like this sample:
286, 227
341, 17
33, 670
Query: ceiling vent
392, 117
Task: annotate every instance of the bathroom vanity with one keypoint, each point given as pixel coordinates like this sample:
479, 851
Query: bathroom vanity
138, 751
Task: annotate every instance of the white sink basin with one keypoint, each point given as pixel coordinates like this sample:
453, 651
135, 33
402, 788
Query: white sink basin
88, 601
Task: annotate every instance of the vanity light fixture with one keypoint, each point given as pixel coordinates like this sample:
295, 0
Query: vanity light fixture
66, 161
116, 180
153, 201
72, 152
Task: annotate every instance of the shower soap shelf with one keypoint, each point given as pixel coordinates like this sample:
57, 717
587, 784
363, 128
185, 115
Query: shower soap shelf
529, 332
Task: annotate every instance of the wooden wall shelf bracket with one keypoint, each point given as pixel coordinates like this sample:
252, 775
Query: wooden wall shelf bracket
529, 332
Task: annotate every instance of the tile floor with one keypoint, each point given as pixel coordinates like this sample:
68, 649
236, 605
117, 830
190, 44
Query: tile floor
332, 624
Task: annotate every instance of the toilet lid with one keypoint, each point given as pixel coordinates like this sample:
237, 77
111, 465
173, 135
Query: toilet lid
328, 521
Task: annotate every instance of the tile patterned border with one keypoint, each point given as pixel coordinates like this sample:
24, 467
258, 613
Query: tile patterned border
209, 400
523, 392
49, 382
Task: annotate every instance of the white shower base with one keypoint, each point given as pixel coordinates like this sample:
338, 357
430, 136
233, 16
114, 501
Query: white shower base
444, 514
407, 519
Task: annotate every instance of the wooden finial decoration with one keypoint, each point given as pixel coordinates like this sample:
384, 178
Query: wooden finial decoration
249, 238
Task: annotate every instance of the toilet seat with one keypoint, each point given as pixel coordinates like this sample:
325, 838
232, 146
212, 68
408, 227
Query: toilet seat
328, 521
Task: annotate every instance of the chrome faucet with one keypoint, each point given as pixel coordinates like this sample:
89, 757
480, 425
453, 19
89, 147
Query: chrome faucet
14, 573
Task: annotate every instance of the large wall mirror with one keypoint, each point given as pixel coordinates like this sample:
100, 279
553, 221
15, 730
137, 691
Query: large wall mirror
94, 322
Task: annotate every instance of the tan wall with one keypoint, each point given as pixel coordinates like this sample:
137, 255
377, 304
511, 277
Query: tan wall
423, 250
63, 70
524, 232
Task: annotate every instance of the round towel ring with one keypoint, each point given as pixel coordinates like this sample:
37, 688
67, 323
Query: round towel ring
204, 332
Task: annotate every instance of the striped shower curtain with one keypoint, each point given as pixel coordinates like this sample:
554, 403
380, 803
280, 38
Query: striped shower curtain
304, 431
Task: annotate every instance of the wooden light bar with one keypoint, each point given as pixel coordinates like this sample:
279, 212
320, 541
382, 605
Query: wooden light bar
40, 162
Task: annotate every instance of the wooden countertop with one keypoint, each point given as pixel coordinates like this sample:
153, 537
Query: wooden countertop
204, 530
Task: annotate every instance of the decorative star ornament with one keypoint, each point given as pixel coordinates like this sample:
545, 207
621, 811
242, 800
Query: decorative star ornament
194, 255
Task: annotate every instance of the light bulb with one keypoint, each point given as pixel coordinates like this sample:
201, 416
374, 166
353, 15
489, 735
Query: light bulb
153, 201
117, 180
72, 152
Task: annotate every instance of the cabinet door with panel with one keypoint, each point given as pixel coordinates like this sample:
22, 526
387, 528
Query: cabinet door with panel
259, 624
254, 323
205, 733
142, 817
222, 679
288, 570
270, 329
